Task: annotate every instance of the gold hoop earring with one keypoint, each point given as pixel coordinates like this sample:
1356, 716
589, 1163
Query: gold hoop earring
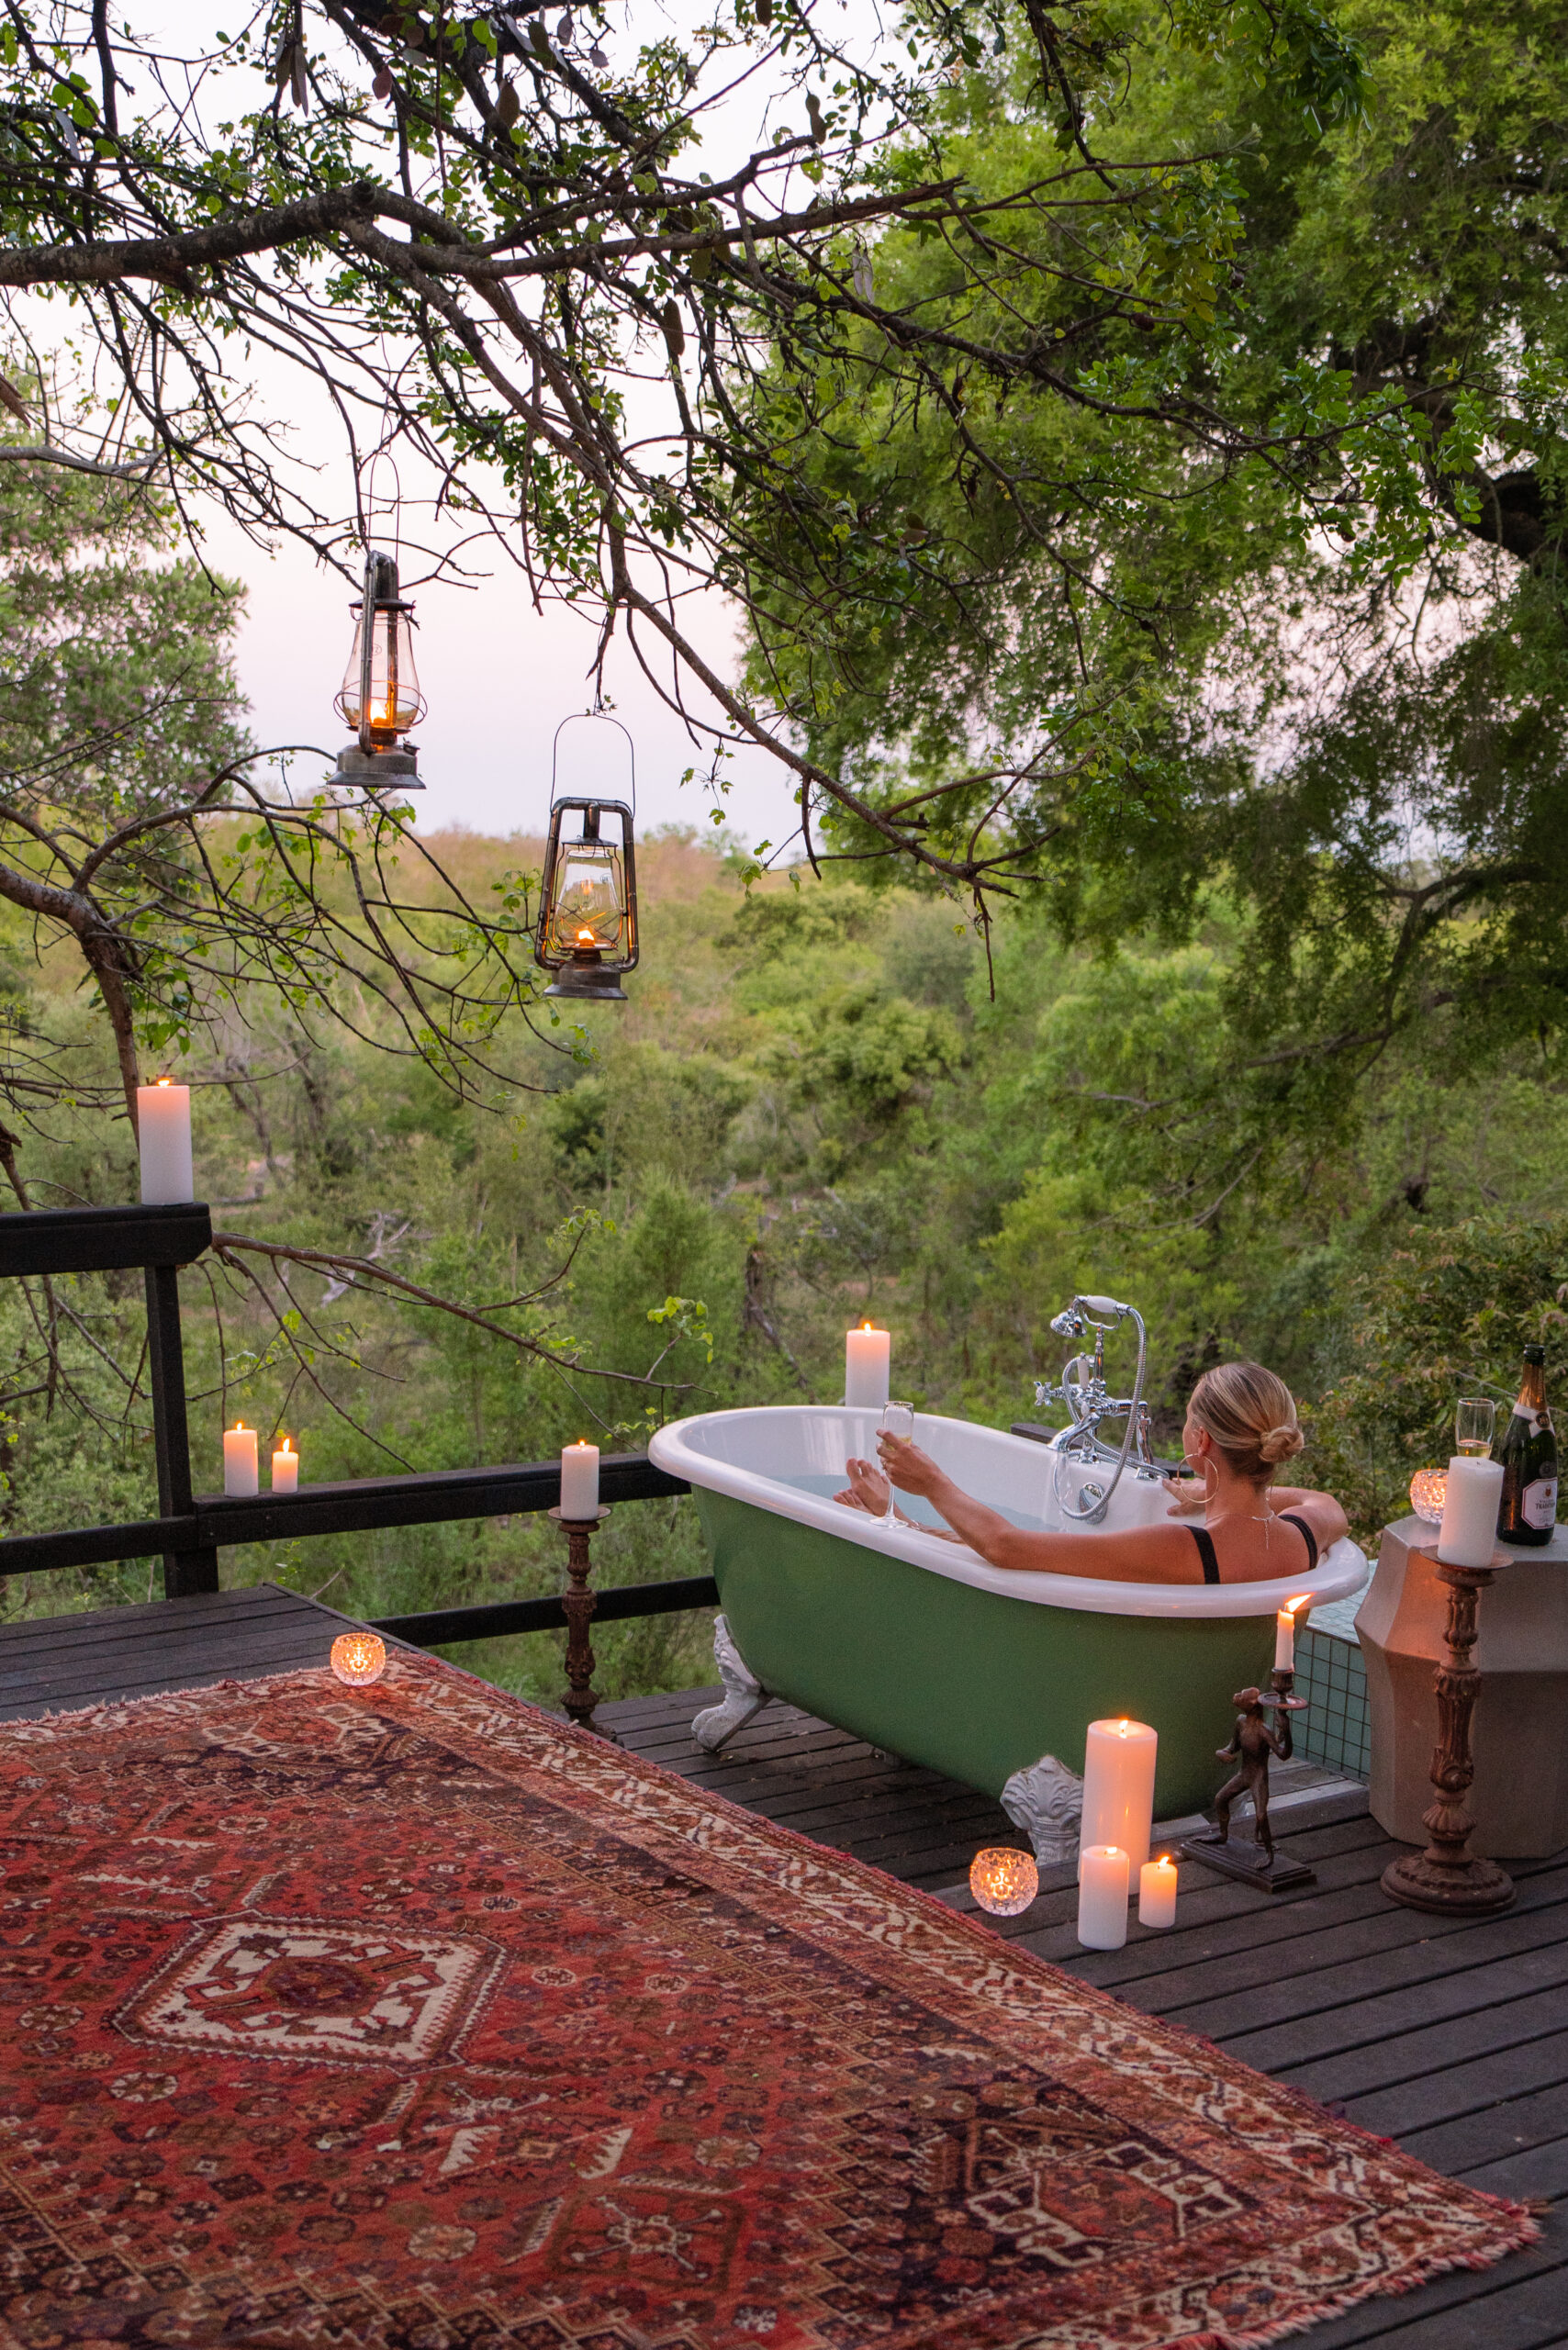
1202, 1467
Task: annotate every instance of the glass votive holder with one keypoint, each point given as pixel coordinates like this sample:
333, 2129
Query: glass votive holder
1004, 1881
1428, 1490
359, 1658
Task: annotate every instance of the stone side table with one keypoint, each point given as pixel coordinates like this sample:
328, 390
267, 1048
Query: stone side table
1520, 1793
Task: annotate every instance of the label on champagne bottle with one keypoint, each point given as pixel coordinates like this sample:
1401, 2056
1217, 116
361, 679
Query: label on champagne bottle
1538, 1505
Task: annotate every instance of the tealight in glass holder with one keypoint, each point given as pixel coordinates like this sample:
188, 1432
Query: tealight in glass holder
1428, 1490
1002, 1881
359, 1658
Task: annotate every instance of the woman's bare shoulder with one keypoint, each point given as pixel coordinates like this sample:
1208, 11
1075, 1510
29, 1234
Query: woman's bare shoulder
1159, 1553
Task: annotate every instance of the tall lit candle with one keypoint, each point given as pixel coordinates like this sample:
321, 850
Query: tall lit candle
163, 1141
1118, 1786
1470, 1502
285, 1469
580, 1482
1284, 1634
1102, 1897
240, 1473
1157, 1892
866, 1357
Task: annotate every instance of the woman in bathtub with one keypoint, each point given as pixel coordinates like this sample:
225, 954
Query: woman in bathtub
1241, 1423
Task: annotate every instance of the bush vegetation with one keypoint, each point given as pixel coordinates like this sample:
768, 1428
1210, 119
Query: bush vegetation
811, 1109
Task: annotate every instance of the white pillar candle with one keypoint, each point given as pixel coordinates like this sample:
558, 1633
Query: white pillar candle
580, 1482
866, 1357
163, 1137
240, 1474
1102, 1897
1118, 1787
1157, 1892
1467, 1535
1284, 1638
285, 1469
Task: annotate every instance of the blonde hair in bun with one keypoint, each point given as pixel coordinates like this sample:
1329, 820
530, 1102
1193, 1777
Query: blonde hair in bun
1250, 1415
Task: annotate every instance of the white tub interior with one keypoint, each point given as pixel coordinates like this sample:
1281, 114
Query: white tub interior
789, 1460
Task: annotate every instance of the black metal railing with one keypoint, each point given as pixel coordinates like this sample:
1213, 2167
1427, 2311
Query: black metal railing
191, 1528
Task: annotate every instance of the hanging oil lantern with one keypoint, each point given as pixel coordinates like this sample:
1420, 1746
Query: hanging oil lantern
588, 913
380, 695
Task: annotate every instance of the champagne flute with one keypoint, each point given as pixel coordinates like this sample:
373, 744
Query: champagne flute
1474, 1423
897, 1421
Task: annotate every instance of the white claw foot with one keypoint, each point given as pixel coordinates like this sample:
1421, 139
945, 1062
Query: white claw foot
1047, 1802
743, 1693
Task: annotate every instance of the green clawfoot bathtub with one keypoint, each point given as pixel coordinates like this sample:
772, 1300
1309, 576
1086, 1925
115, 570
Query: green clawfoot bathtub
918, 1645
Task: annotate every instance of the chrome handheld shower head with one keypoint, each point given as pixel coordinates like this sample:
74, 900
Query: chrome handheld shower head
1070, 1322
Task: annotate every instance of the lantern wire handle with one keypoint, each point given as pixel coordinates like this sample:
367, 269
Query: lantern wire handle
368, 504
605, 717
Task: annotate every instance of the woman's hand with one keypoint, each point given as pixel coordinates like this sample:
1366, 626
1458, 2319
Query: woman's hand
1188, 1497
912, 1471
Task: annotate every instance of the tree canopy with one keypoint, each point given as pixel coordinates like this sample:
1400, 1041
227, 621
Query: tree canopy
1327, 684
499, 244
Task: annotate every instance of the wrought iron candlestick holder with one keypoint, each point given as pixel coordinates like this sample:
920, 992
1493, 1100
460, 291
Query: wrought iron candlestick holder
1253, 1742
1447, 1877
579, 1603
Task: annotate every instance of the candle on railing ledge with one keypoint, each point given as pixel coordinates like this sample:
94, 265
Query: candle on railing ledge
580, 1482
285, 1469
1118, 1786
163, 1143
240, 1473
1004, 1881
1102, 1896
866, 1363
1471, 1501
1284, 1634
1428, 1489
359, 1658
1157, 1892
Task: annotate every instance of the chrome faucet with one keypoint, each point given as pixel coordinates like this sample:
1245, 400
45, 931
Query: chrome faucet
1088, 1402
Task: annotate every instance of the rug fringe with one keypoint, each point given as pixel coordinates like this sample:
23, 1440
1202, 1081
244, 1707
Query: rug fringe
1410, 2280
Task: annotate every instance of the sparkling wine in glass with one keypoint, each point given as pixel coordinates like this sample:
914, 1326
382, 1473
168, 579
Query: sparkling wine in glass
897, 1421
1474, 1423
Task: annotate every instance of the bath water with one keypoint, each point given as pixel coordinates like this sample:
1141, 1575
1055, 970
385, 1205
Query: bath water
913, 1504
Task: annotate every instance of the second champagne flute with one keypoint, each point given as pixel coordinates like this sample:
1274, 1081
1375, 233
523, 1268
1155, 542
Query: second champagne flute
1474, 1424
897, 1421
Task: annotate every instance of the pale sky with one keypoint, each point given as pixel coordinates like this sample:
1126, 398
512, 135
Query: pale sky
498, 675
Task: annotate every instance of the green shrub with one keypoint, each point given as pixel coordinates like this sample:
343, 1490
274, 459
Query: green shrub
1443, 1315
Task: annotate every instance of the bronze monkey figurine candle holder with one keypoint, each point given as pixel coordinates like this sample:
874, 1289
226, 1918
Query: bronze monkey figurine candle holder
1254, 1743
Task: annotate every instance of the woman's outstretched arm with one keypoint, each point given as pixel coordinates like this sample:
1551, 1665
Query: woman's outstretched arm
1322, 1512
1145, 1554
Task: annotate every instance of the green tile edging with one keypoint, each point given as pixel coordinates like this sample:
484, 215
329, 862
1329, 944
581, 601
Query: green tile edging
1332, 1676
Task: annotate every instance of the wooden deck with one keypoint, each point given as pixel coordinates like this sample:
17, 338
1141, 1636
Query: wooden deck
1450, 2038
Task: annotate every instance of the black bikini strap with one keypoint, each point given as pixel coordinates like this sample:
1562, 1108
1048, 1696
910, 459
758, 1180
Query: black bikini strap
1205, 1543
1289, 1517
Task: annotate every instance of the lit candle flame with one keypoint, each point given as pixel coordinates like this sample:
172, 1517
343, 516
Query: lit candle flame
238, 1429
287, 1447
165, 1081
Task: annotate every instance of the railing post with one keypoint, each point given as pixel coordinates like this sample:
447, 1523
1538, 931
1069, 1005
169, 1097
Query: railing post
184, 1571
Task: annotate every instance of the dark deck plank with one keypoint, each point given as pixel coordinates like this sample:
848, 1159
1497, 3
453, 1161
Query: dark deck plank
66, 1663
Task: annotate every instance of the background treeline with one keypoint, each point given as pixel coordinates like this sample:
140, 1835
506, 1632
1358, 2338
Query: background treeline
810, 1109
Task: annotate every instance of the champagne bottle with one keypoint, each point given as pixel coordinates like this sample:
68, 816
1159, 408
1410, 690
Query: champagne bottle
1528, 1512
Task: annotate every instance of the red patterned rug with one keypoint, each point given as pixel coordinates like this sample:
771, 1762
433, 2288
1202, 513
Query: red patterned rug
411, 2019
